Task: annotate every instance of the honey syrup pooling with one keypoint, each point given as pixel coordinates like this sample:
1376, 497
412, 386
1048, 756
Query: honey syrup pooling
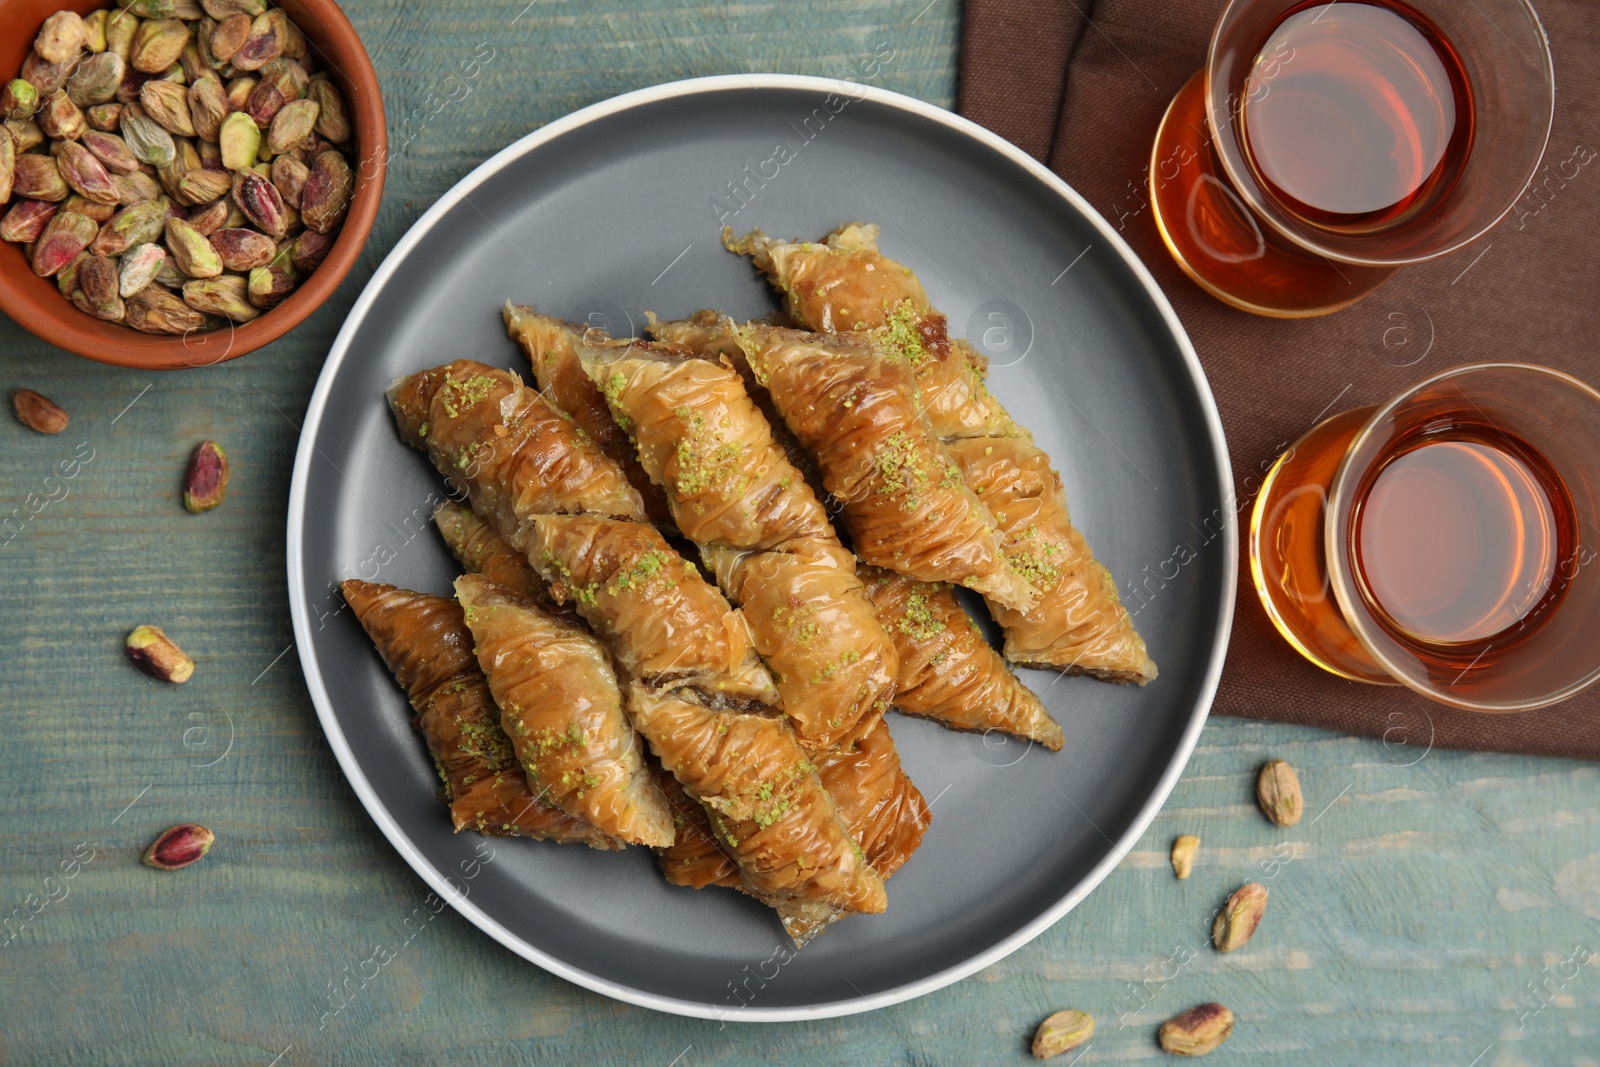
1458, 539
1357, 115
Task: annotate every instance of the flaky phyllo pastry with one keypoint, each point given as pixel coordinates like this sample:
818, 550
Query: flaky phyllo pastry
845, 284
762, 533
947, 674
693, 687
710, 711
481, 550
552, 347
560, 705
854, 408
425, 643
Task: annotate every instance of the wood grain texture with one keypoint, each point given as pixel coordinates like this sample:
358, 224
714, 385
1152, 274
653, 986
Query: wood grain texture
1410, 910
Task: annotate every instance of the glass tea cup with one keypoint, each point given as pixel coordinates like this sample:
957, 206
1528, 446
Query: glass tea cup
1447, 540
1326, 144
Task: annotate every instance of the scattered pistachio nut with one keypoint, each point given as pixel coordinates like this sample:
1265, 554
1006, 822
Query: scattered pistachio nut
227, 296
240, 140
179, 846
19, 99
95, 81
84, 173
61, 37
333, 121
36, 176
204, 185
168, 103
1062, 1032
229, 36
1237, 921
243, 250
191, 251
25, 134
270, 285
97, 279
26, 220
111, 150
325, 198
63, 239
209, 218
208, 106
206, 482
60, 118
1278, 793
258, 198
1199, 1030
158, 44
157, 310
138, 267
94, 30
38, 412
1183, 850
154, 653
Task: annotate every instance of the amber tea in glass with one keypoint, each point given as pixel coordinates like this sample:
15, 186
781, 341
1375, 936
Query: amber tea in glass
1326, 143
1443, 540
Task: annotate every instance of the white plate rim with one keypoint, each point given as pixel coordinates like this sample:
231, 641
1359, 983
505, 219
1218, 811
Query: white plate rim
301, 615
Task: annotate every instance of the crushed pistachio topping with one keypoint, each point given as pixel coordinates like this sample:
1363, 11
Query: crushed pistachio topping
460, 393
900, 337
919, 622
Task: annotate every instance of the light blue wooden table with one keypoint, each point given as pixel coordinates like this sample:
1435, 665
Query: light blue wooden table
1432, 908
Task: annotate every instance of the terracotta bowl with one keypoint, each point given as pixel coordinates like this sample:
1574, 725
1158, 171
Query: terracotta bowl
38, 306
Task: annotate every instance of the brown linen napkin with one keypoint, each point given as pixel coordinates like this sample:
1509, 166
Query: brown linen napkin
1082, 85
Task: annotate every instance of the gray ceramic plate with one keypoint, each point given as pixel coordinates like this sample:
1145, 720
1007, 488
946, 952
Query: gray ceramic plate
617, 209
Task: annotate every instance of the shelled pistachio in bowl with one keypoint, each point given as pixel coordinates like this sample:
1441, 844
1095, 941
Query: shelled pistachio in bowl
175, 165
